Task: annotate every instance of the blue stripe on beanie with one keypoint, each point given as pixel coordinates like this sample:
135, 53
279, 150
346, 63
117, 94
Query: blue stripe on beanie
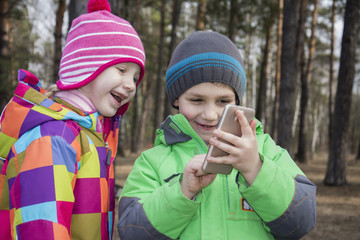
205, 60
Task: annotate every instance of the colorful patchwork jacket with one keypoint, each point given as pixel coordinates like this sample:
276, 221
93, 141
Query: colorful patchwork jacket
57, 177
280, 204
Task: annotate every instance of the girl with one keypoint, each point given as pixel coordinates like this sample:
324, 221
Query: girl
58, 147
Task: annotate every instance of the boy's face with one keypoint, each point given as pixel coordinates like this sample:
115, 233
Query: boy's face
203, 104
114, 87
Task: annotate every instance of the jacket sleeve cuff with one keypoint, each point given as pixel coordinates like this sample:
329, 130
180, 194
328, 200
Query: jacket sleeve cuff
271, 192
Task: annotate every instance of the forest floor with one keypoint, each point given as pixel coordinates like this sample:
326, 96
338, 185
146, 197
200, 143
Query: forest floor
338, 208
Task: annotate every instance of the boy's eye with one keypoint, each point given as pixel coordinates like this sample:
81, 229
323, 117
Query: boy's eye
196, 100
224, 101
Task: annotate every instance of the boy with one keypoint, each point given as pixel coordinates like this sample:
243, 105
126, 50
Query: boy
168, 196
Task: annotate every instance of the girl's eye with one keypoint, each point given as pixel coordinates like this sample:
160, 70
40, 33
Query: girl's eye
136, 79
122, 70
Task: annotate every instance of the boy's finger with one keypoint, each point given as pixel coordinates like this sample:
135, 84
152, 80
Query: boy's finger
228, 146
245, 127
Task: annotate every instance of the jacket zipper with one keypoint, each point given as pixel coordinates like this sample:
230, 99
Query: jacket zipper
108, 163
108, 158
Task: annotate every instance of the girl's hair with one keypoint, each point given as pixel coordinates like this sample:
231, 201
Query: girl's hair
52, 90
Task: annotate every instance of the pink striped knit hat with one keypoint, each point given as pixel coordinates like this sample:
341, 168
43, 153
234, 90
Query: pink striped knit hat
98, 40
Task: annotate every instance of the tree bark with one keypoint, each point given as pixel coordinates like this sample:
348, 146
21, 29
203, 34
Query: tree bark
278, 71
76, 8
119, 11
200, 17
331, 73
335, 173
58, 38
5, 70
145, 111
302, 153
176, 9
289, 72
358, 150
159, 79
135, 129
265, 69
233, 19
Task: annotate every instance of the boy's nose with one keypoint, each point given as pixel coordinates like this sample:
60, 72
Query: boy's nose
210, 113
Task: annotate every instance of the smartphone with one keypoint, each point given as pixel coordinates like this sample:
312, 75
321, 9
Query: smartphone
228, 123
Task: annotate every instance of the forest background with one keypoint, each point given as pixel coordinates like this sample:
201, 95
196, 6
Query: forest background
301, 60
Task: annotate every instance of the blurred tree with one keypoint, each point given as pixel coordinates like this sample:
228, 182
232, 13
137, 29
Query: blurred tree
16, 45
289, 72
160, 73
268, 23
302, 151
358, 150
200, 17
75, 9
233, 20
58, 38
335, 173
176, 9
5, 69
135, 130
331, 71
275, 108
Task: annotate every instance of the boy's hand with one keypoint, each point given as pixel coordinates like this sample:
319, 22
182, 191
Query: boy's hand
243, 156
194, 179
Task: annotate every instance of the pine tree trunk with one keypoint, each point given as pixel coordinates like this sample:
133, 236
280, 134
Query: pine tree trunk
265, 71
335, 173
176, 9
145, 111
5, 58
302, 154
134, 123
303, 92
278, 71
331, 73
200, 17
76, 8
135, 102
358, 150
58, 38
233, 19
289, 72
159, 78
80, 7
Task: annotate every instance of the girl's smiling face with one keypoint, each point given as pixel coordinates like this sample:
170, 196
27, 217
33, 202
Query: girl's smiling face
114, 87
203, 104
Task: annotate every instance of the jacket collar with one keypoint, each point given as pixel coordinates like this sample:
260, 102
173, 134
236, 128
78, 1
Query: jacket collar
176, 129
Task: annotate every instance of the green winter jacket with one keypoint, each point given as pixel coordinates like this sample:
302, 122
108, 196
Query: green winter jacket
280, 204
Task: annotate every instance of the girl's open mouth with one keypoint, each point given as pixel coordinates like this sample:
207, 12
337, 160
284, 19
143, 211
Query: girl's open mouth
117, 98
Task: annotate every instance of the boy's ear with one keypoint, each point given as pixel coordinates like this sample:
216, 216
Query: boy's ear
176, 103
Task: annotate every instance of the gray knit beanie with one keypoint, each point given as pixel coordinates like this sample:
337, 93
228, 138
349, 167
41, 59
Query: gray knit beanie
205, 56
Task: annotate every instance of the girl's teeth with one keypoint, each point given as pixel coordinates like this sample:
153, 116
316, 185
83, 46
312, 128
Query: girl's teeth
117, 98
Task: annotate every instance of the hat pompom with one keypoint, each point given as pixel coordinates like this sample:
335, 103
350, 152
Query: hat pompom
98, 5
